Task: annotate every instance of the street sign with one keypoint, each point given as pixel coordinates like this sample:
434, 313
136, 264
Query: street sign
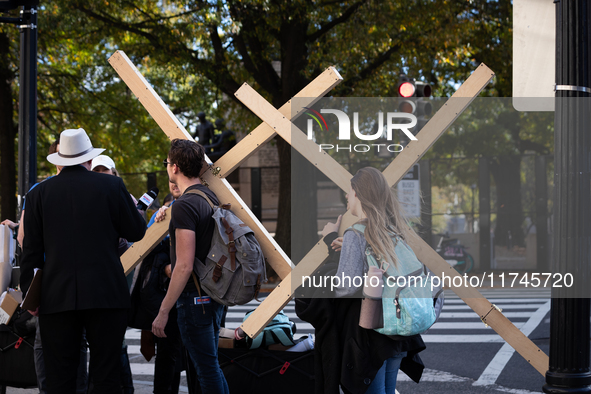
409, 193
534, 55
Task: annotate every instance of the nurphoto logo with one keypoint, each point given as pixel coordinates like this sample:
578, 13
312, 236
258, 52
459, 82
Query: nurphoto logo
393, 122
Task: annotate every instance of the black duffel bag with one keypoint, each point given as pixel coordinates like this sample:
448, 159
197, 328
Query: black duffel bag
265, 371
17, 362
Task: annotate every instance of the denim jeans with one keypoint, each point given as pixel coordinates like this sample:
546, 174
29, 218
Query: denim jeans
199, 325
385, 380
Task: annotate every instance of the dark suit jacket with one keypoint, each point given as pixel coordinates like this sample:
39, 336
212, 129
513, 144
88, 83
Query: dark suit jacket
73, 223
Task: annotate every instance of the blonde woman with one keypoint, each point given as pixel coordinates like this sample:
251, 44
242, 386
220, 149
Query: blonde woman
371, 199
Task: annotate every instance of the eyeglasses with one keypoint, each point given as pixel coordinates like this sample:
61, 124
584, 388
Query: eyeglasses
166, 163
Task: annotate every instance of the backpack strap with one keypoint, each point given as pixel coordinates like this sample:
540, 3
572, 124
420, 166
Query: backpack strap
228, 230
231, 244
200, 193
280, 334
198, 289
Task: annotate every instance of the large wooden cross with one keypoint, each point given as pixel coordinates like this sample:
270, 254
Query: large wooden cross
279, 122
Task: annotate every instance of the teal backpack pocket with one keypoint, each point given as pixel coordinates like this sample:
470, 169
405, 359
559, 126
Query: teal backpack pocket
407, 298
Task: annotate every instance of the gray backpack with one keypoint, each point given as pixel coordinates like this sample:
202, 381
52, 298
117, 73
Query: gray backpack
235, 266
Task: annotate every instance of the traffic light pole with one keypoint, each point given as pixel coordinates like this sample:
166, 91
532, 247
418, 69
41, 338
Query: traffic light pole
27, 125
569, 323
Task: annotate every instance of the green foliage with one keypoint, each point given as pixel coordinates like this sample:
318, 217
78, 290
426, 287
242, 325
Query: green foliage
194, 52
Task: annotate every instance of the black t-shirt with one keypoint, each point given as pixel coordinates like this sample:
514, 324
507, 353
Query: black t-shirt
192, 212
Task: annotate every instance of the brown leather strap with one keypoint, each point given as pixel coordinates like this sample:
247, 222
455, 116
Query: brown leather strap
198, 289
217, 271
200, 193
231, 244
257, 288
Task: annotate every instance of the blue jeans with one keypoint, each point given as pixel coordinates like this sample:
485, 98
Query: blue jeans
199, 325
385, 380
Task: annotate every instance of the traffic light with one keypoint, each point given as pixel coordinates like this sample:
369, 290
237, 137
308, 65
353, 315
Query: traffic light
414, 100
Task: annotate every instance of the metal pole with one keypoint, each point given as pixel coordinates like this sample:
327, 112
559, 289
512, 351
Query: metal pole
27, 125
569, 316
541, 214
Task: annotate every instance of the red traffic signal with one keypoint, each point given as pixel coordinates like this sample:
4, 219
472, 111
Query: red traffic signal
406, 89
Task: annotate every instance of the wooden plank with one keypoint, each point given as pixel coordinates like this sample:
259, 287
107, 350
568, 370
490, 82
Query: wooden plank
275, 302
265, 312
282, 125
254, 140
136, 253
174, 129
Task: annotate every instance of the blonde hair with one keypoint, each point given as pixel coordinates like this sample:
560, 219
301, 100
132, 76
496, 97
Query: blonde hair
383, 213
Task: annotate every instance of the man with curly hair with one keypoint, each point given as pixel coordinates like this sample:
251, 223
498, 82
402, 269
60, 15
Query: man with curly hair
191, 230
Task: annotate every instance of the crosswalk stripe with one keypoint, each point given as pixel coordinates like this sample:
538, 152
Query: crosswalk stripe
458, 307
462, 338
145, 369
539, 301
465, 315
464, 326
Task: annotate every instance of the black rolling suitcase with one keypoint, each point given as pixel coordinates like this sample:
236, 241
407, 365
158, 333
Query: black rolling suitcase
265, 371
17, 365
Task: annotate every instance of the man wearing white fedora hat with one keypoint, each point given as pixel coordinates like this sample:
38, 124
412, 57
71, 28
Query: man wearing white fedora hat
73, 225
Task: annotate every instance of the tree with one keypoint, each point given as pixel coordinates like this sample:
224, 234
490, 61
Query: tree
492, 128
193, 51
228, 42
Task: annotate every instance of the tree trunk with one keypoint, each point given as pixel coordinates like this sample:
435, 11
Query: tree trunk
8, 134
283, 230
297, 180
506, 171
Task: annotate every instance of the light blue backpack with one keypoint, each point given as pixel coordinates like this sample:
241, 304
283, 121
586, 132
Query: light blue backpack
407, 301
279, 330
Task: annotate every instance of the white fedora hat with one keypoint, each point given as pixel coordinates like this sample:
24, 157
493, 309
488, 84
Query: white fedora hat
75, 148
